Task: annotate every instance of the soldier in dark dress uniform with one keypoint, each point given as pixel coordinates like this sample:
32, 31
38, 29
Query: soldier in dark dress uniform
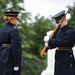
10, 46
64, 40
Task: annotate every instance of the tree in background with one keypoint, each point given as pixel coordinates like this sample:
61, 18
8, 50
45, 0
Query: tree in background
41, 26
3, 5
72, 18
32, 43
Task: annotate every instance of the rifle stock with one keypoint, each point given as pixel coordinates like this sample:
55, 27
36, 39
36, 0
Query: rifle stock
43, 51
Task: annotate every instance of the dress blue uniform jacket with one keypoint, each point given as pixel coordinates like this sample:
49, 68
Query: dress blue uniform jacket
64, 37
10, 35
64, 59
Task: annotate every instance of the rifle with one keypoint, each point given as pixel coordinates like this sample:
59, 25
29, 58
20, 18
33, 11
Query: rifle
54, 32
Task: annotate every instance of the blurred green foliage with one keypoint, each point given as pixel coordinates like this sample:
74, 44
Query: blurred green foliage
72, 14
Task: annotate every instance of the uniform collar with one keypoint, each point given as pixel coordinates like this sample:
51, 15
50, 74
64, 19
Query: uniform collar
65, 26
10, 24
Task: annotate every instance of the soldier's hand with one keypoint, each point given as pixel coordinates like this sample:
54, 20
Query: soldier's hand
46, 38
46, 44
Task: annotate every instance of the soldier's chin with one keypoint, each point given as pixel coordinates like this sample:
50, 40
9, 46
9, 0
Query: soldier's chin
61, 26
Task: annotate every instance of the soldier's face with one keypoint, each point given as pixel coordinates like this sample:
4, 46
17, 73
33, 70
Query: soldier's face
14, 21
64, 23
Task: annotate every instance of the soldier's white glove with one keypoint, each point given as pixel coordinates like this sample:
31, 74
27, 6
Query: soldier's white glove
46, 44
46, 38
16, 68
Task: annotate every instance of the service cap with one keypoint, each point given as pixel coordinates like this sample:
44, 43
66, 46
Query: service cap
59, 16
11, 13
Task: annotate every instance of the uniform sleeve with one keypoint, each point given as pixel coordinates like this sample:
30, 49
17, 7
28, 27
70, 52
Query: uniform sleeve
16, 48
65, 41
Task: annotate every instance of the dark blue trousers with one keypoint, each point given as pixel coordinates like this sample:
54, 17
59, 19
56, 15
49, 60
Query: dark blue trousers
64, 62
